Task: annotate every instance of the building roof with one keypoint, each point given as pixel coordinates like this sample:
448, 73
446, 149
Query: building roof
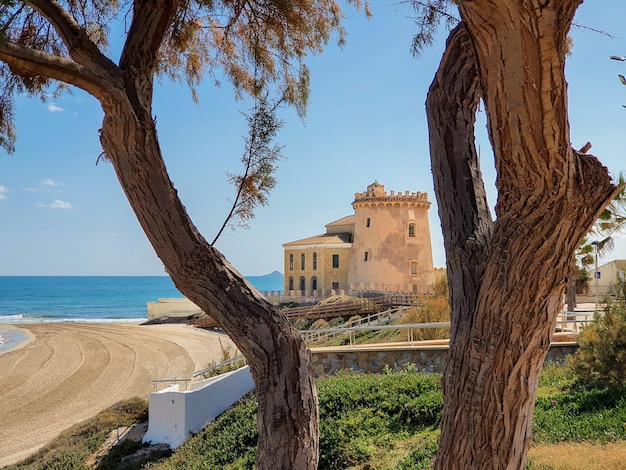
323, 239
347, 220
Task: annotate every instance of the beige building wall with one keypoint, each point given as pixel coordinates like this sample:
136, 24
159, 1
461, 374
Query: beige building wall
391, 250
609, 275
329, 272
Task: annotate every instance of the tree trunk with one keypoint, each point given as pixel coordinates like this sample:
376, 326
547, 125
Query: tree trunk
279, 360
570, 293
506, 278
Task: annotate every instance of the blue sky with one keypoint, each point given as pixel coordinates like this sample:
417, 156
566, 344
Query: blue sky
63, 215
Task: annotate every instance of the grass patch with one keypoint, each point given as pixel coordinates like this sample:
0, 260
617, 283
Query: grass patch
71, 449
385, 421
578, 456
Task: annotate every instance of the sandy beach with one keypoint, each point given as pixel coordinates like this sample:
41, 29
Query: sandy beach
67, 372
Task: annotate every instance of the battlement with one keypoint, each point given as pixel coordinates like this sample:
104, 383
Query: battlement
376, 194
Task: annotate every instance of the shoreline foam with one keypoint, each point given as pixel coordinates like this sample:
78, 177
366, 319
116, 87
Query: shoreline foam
12, 337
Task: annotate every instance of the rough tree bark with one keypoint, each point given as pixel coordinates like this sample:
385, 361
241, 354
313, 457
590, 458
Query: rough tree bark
506, 277
278, 358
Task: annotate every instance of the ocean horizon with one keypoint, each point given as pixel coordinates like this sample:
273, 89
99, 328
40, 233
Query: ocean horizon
27, 299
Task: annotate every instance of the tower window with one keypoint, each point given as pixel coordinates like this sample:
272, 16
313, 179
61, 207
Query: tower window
413, 267
291, 262
302, 258
367, 222
335, 261
367, 256
411, 230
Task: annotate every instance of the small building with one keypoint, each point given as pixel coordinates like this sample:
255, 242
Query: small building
609, 275
383, 247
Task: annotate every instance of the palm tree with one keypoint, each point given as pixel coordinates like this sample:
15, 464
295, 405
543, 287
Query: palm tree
611, 222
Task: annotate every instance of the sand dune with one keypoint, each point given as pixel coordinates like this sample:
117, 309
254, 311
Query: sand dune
68, 372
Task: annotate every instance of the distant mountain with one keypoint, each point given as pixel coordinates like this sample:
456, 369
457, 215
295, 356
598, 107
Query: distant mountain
273, 274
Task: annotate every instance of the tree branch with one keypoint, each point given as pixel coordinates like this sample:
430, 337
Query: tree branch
151, 20
80, 48
466, 221
30, 62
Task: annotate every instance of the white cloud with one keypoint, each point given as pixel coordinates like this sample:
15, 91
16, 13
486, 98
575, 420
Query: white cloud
49, 182
2, 197
32, 189
113, 235
54, 108
58, 204
3, 191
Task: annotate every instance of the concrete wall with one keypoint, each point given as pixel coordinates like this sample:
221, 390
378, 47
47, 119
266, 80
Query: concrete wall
329, 361
173, 414
172, 307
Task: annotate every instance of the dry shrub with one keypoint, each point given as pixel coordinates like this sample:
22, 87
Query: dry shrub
301, 324
320, 324
429, 310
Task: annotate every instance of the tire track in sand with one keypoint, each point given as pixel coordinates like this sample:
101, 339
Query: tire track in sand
71, 371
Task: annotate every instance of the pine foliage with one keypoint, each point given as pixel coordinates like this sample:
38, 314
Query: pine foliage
256, 44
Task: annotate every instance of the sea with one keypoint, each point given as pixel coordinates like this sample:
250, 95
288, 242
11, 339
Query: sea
112, 299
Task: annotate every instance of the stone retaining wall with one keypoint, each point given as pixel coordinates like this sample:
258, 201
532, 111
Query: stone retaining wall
329, 361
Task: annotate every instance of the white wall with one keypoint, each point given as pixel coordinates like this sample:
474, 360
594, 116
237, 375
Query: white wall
173, 414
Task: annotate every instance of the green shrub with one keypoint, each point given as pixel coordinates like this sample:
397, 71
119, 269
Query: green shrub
601, 358
429, 310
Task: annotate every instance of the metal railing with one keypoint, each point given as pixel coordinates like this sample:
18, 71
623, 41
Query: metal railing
380, 318
352, 330
573, 321
187, 380
568, 321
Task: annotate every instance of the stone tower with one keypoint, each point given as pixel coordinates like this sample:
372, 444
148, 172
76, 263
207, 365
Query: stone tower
391, 250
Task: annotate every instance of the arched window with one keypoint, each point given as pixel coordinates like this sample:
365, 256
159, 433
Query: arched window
411, 230
302, 284
291, 283
313, 283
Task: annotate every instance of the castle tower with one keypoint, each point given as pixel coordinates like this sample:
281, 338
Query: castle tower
391, 250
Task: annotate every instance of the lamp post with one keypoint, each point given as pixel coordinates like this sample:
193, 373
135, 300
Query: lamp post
595, 273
